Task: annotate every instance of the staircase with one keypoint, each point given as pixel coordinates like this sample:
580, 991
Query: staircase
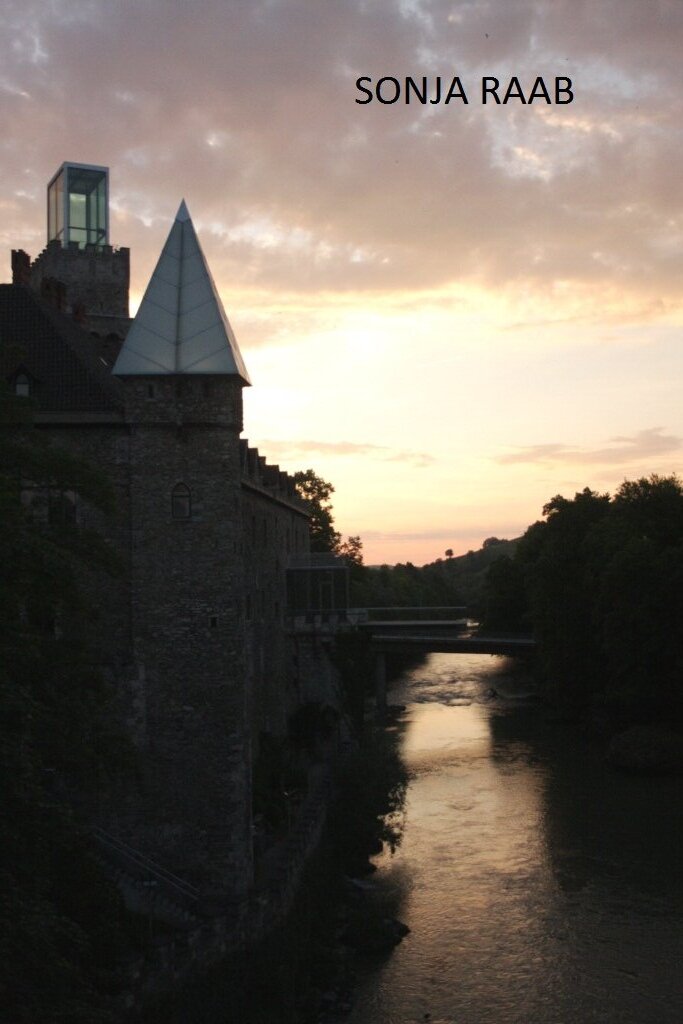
146, 887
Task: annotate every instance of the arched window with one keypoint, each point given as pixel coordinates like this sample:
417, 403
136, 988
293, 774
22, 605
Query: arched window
181, 502
22, 385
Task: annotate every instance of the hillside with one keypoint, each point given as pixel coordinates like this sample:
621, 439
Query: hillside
446, 581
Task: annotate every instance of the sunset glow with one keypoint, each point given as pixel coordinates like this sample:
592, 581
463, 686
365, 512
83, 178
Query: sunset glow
451, 312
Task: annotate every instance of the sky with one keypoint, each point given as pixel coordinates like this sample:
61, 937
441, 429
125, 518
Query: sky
451, 312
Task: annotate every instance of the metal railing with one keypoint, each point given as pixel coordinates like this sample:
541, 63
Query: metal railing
403, 613
146, 870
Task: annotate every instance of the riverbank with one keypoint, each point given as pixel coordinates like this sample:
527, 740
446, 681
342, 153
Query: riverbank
634, 738
303, 970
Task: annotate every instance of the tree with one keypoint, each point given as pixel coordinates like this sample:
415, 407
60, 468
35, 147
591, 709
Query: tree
448, 552
352, 551
603, 578
316, 493
559, 572
504, 596
652, 507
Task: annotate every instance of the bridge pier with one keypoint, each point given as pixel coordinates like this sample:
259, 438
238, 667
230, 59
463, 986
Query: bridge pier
380, 685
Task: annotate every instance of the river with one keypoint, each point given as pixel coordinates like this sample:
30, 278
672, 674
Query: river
540, 886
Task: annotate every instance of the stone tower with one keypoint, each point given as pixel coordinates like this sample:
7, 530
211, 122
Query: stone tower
182, 376
79, 272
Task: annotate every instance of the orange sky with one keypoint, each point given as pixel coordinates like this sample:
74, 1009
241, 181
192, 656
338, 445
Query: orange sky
451, 312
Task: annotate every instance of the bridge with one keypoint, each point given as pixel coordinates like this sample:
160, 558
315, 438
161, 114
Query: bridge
433, 630
427, 634
469, 643
410, 630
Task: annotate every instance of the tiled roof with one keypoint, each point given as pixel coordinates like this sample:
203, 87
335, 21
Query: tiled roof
62, 360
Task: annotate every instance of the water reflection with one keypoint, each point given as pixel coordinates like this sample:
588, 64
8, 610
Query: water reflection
539, 886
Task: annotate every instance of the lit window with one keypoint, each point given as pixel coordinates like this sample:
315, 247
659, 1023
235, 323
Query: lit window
22, 386
78, 205
181, 502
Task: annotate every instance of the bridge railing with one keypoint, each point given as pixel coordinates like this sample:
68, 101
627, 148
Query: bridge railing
331, 619
142, 867
325, 621
406, 613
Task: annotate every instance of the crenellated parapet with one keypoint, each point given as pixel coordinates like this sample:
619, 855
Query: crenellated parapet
271, 480
84, 281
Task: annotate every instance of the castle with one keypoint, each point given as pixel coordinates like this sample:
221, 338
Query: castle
194, 633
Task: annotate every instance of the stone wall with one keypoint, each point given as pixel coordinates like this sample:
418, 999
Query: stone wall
196, 635
170, 629
106, 622
95, 279
193, 630
187, 581
275, 525
189, 951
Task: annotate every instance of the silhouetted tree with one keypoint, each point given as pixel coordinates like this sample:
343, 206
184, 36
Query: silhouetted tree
316, 492
505, 602
352, 550
603, 580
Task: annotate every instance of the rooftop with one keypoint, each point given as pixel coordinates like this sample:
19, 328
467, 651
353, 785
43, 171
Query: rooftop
65, 368
181, 326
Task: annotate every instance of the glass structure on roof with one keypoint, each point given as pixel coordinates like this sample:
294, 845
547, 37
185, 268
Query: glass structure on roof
78, 205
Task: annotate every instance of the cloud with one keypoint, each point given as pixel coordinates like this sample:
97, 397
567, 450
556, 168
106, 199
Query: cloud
645, 444
248, 110
304, 449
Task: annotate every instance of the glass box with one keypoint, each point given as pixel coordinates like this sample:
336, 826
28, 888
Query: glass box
78, 205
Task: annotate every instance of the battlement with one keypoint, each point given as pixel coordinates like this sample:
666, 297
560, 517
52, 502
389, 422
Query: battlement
84, 282
270, 480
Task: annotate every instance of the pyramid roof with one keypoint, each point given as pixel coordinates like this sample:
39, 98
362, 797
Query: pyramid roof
181, 326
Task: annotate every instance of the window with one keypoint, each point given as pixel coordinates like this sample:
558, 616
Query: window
181, 502
77, 200
22, 385
61, 507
